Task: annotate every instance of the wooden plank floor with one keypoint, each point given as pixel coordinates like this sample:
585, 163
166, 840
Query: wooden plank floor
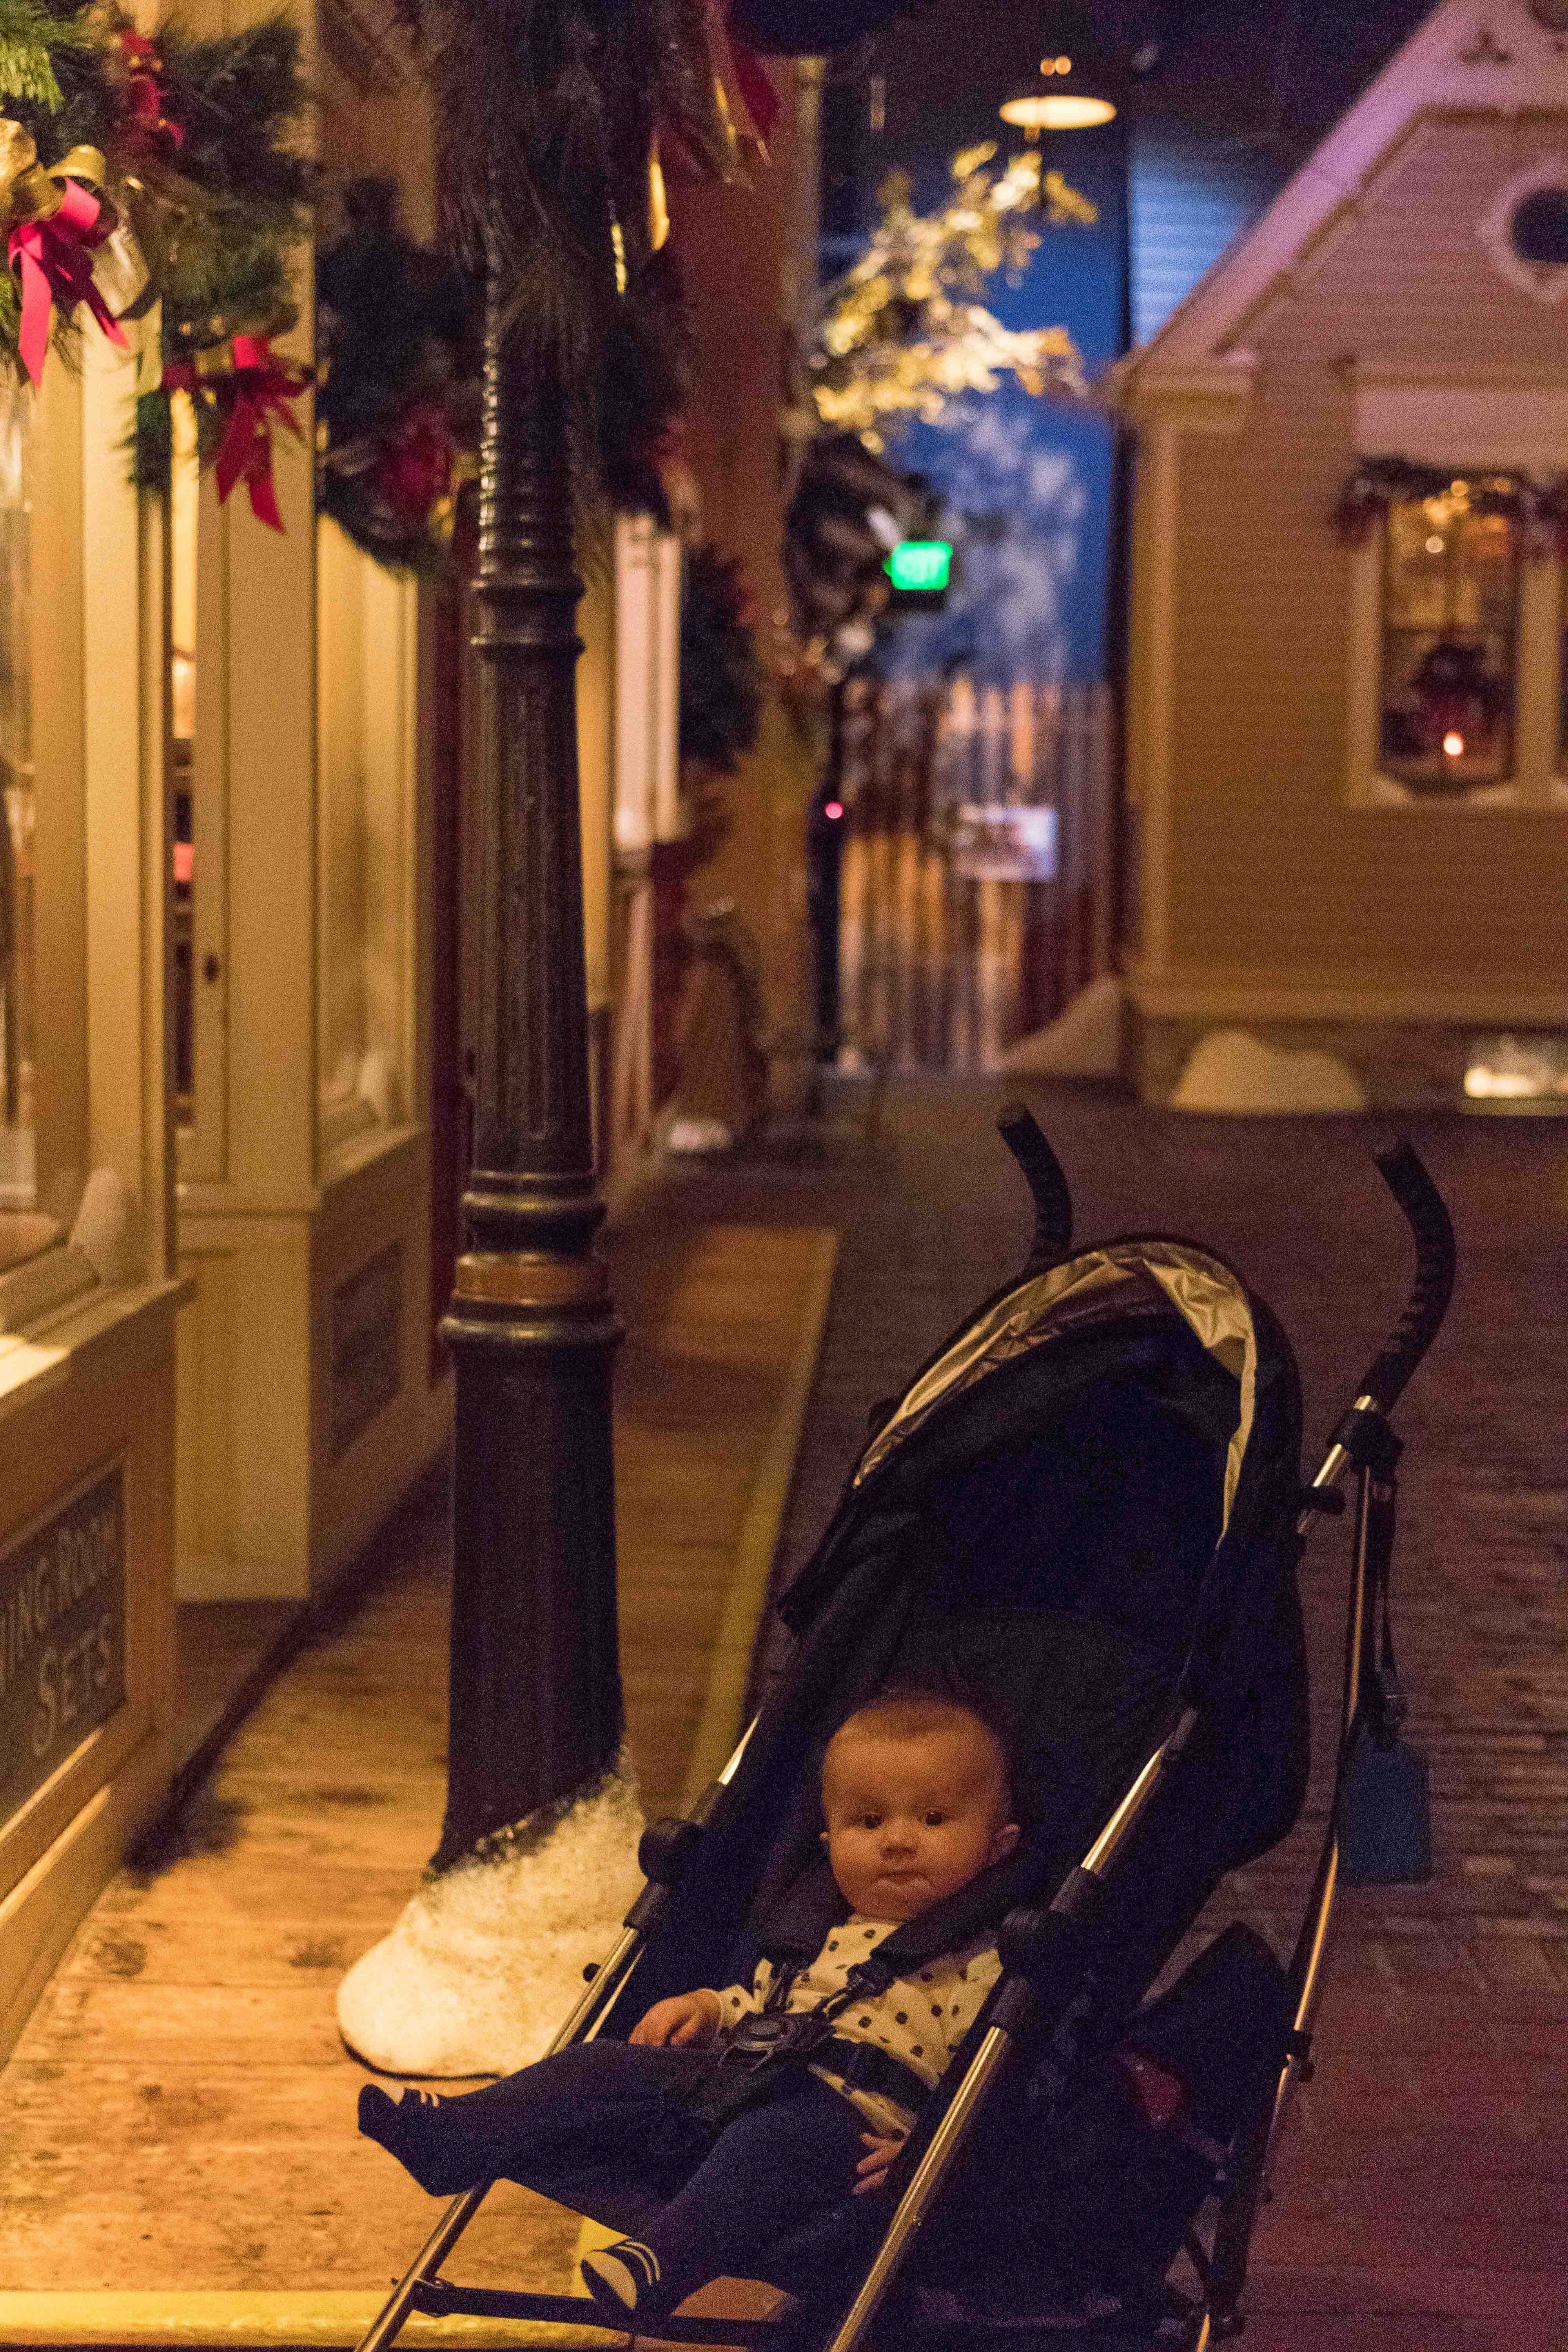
180, 2112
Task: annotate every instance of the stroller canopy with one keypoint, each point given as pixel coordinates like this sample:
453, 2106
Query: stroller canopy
1204, 1293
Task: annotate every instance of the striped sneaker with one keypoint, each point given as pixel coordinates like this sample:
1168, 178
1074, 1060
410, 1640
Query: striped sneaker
616, 2276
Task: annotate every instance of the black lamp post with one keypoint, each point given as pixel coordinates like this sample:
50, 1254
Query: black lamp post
536, 1712
552, 111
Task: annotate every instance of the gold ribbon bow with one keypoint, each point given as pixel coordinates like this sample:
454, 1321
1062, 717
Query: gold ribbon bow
29, 192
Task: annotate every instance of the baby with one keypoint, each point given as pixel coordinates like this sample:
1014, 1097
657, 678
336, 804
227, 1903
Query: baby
916, 1798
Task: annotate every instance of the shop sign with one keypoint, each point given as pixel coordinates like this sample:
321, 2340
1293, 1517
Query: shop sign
62, 1633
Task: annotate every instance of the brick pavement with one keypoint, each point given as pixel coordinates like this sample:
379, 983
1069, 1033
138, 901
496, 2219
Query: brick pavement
1424, 2188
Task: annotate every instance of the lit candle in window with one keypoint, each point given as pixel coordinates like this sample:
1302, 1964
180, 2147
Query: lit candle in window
1453, 744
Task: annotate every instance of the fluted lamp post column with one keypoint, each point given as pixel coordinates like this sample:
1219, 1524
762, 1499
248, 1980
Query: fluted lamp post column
535, 1679
537, 1856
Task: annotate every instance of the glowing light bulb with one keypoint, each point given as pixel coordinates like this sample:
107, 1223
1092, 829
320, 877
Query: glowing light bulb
1434, 545
1453, 744
834, 809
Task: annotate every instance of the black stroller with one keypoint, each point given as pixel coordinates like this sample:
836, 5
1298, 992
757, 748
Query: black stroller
1089, 1505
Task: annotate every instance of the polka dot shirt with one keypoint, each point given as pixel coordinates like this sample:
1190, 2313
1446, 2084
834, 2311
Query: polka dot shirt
920, 2020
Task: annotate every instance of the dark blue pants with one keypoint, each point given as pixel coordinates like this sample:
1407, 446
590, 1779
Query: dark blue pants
604, 2106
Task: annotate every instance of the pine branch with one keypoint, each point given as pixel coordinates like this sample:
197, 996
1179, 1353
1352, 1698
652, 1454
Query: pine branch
30, 35
238, 97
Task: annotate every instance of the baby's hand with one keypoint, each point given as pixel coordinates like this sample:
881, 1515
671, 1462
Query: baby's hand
873, 2169
685, 2018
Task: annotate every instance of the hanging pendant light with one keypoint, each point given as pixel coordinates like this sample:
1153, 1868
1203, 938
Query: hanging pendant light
1050, 105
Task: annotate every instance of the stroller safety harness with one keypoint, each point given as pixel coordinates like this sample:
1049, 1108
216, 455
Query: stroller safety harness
1087, 1503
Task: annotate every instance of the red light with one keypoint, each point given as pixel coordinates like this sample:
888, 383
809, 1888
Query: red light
834, 809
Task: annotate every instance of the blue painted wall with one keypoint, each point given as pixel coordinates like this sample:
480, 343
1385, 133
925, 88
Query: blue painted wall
1189, 199
1026, 482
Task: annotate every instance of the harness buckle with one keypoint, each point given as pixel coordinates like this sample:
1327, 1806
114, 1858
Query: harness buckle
757, 2040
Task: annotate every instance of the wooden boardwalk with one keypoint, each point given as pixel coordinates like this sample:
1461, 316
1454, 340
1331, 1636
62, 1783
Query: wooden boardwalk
179, 2114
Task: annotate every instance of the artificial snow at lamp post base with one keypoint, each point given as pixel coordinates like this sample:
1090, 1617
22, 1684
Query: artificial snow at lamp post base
1230, 1071
486, 1962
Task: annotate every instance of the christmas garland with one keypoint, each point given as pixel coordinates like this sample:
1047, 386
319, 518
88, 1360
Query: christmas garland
1540, 507
234, 197
135, 171
573, 114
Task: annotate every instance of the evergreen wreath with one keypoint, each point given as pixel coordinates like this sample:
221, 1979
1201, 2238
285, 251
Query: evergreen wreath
397, 385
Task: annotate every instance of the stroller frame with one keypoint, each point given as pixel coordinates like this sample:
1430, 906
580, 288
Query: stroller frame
1363, 1444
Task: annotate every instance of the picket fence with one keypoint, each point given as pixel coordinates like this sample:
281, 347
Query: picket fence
950, 946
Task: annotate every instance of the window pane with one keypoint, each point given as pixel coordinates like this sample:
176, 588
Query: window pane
1450, 602
365, 654
18, 1169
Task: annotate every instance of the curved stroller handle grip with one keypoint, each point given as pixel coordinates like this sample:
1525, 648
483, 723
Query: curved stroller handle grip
1021, 1133
1405, 1176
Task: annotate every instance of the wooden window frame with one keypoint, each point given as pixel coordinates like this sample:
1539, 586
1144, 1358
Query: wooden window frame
1537, 779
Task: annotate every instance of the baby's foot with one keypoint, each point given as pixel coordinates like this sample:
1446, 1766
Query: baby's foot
409, 2130
622, 2278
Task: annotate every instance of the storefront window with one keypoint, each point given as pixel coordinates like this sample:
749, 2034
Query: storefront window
1449, 644
19, 1166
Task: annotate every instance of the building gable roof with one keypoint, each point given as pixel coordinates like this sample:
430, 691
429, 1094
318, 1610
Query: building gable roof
1469, 57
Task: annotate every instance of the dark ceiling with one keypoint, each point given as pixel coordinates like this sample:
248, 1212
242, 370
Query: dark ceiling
1273, 74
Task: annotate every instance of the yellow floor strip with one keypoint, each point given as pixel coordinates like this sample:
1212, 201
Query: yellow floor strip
719, 1725
329, 2317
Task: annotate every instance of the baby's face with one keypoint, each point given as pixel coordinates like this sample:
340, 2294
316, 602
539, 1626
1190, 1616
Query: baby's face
911, 1821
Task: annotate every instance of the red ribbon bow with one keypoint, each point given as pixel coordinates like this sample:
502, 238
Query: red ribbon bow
259, 386
54, 260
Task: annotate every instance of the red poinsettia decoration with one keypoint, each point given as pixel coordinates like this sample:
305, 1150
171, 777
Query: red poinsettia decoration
416, 471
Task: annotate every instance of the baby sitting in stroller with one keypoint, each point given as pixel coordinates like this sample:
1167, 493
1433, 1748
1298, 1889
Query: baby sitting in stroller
916, 1796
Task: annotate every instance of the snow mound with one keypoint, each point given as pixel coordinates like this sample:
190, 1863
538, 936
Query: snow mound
1230, 1071
1083, 1042
486, 1962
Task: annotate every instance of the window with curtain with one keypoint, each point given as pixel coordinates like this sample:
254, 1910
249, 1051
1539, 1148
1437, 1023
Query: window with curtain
1448, 685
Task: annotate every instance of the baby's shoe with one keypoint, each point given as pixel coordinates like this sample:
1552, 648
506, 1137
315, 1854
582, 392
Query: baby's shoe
621, 2277
406, 2129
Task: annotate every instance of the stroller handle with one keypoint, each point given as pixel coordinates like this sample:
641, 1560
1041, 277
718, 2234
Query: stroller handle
1405, 1176
1021, 1133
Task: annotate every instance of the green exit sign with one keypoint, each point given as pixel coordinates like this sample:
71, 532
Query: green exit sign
921, 565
